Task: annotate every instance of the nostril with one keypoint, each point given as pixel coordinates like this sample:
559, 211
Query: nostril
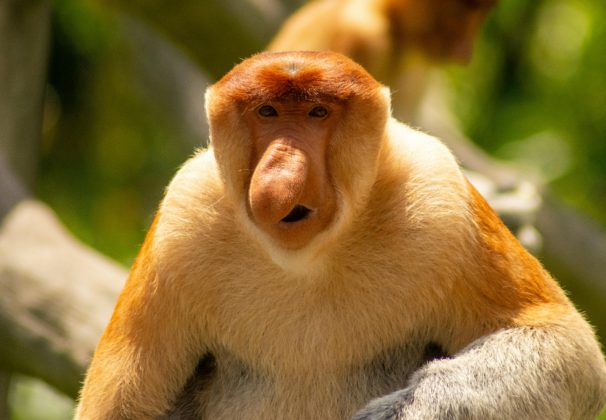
297, 214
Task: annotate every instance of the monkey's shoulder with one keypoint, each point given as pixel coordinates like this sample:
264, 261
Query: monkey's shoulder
197, 179
194, 214
422, 157
196, 192
421, 184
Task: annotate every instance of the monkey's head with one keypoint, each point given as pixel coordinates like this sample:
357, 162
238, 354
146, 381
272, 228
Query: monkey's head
296, 137
442, 29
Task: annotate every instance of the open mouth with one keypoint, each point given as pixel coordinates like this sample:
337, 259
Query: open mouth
297, 214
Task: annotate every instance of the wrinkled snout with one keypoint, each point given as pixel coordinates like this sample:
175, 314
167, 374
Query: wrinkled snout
278, 185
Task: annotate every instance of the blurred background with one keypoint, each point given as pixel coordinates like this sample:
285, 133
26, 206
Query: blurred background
122, 97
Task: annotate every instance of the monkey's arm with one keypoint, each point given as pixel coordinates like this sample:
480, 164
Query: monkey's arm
550, 372
143, 358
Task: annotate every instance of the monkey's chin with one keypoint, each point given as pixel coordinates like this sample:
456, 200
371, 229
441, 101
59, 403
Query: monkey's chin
300, 248
294, 233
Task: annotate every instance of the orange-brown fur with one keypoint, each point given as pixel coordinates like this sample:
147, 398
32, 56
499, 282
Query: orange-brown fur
412, 259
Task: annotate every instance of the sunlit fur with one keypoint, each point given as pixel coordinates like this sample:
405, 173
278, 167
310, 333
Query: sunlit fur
416, 294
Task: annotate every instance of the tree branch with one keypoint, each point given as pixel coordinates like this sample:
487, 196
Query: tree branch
57, 294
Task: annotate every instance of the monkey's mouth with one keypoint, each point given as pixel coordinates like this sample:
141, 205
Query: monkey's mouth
297, 214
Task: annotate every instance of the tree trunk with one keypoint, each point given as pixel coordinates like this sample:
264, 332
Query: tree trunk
24, 41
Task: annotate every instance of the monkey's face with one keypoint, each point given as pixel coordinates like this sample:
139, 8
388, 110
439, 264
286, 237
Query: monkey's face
290, 194
296, 137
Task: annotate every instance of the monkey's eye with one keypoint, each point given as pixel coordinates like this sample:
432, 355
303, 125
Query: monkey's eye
267, 111
318, 112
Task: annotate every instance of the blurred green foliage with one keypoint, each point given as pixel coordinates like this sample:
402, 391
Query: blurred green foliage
32, 400
107, 153
536, 94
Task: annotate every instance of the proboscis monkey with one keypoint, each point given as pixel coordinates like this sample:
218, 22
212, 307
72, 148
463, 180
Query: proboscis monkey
321, 261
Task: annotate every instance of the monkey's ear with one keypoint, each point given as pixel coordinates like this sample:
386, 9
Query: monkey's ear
207, 98
386, 92
207, 103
